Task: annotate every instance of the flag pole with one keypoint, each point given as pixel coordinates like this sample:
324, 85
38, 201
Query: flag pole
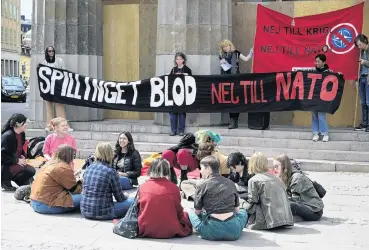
357, 92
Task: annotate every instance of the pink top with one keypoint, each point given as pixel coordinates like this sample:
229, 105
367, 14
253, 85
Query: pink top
52, 143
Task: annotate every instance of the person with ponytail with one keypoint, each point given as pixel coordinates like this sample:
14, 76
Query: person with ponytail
13, 158
60, 136
55, 189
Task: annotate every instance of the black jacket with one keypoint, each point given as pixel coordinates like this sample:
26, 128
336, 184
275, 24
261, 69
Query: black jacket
129, 163
9, 147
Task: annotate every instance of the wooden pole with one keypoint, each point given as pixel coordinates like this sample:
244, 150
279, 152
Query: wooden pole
357, 93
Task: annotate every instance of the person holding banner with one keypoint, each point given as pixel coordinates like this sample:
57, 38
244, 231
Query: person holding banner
319, 121
52, 61
361, 41
179, 118
229, 64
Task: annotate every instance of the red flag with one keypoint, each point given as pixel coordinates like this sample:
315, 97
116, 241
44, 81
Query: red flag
283, 43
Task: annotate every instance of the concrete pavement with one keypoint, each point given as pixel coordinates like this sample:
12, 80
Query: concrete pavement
345, 225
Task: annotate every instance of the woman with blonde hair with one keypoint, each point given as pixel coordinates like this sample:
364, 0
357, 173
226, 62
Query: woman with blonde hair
100, 183
55, 189
159, 198
229, 64
304, 199
60, 136
267, 202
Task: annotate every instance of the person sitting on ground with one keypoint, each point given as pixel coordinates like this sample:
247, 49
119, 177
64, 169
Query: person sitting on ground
159, 198
127, 161
205, 149
55, 189
13, 157
239, 172
217, 215
100, 183
60, 137
304, 200
267, 202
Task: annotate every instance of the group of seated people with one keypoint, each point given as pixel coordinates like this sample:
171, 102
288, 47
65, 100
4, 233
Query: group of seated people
231, 194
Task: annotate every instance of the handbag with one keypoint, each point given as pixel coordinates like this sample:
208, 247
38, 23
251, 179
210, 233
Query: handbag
128, 226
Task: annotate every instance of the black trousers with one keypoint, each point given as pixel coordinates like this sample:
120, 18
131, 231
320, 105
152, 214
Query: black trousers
305, 212
234, 115
24, 177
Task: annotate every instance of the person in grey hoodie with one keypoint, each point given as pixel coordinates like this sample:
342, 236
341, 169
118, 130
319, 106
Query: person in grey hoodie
304, 199
267, 202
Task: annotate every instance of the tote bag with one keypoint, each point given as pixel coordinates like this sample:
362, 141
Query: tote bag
128, 226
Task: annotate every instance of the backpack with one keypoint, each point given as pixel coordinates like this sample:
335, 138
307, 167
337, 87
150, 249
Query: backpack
35, 146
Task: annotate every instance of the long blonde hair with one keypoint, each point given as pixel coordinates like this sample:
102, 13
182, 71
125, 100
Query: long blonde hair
258, 163
225, 43
286, 166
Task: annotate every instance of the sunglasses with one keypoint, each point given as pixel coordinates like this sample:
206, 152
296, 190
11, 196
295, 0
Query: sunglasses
51, 51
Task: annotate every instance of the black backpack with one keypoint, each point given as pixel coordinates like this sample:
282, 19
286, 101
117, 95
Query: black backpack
35, 146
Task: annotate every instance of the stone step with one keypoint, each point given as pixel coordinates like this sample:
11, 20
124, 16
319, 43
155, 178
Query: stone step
227, 140
329, 155
276, 132
305, 164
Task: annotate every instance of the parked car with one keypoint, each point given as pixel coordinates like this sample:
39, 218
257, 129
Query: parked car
13, 89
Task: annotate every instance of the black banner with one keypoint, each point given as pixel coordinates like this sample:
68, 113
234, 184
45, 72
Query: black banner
262, 92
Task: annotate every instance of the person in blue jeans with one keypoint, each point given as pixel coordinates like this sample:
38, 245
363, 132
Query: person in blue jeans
217, 215
319, 121
127, 161
100, 183
361, 41
55, 189
178, 120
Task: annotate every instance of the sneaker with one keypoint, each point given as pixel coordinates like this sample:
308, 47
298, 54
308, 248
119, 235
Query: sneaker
361, 127
367, 129
316, 138
325, 138
172, 134
70, 129
181, 134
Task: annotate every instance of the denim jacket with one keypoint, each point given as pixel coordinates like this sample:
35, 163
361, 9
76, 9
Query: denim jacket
267, 203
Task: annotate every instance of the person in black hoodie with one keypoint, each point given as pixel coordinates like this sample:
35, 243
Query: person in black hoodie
238, 164
319, 121
179, 118
127, 161
13, 158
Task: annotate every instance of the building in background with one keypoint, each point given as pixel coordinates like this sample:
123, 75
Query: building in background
10, 37
25, 58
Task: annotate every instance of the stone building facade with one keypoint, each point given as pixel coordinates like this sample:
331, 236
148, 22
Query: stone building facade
134, 39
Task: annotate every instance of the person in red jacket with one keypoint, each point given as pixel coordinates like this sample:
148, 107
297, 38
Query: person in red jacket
159, 198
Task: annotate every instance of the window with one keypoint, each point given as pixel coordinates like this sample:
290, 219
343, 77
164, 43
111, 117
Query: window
2, 34
10, 11
15, 12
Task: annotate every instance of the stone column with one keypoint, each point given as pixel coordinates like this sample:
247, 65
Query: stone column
195, 27
74, 28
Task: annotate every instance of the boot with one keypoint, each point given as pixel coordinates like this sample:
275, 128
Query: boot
7, 187
233, 123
